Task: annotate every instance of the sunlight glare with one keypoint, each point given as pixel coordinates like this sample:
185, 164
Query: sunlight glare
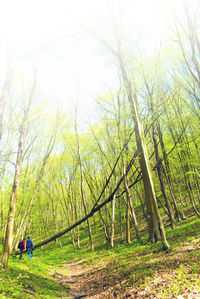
45, 34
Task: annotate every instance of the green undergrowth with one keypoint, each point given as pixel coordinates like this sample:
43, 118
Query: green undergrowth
27, 278
139, 265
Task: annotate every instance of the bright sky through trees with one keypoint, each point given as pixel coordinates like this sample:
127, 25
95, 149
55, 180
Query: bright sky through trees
48, 35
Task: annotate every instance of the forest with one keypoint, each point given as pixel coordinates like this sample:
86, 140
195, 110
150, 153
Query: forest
105, 181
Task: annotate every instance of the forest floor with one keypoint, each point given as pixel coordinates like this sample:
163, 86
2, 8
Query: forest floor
158, 275
137, 270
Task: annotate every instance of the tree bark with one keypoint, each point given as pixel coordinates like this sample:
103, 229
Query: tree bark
113, 223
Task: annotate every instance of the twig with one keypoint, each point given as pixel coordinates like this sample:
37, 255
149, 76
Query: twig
29, 293
20, 274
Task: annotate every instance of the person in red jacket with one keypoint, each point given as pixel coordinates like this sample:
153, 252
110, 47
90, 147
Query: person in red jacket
21, 247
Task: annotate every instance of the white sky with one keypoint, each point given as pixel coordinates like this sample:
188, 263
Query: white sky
44, 34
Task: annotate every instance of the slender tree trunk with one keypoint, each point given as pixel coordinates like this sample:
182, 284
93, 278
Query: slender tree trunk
120, 219
101, 219
82, 185
130, 210
106, 230
128, 230
178, 213
162, 186
113, 223
78, 238
14, 195
1, 228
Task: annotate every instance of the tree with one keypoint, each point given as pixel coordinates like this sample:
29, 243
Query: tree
14, 193
82, 183
154, 220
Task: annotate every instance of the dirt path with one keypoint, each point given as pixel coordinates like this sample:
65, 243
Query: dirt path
86, 282
179, 268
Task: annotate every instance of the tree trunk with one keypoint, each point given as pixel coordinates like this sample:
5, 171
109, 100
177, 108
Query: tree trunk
154, 220
82, 185
160, 176
14, 195
130, 210
113, 223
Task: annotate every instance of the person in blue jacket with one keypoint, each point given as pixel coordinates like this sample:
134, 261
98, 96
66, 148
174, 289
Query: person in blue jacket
29, 247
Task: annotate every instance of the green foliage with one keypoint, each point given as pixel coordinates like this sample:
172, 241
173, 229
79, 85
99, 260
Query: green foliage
138, 263
28, 275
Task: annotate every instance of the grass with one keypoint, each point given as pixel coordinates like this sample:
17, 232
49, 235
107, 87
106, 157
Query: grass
31, 276
139, 268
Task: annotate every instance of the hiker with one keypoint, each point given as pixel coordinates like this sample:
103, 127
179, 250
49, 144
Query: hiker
29, 246
21, 247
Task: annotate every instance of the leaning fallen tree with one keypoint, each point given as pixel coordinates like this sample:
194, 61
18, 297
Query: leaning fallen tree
97, 207
92, 212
